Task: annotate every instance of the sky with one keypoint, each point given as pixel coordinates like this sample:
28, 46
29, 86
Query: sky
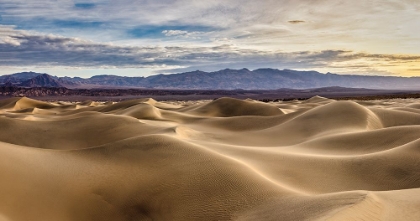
145, 37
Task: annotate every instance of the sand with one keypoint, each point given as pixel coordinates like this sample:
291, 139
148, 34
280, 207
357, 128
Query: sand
227, 159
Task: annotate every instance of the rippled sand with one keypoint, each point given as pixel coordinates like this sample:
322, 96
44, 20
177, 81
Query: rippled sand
226, 159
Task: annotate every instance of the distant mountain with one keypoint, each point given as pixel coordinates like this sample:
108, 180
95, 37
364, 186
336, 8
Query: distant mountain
17, 78
42, 80
227, 79
117, 81
22, 75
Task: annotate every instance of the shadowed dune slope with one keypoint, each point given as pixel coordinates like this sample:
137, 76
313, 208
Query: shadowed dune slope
226, 159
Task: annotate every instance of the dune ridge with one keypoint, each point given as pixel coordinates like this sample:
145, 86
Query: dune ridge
226, 159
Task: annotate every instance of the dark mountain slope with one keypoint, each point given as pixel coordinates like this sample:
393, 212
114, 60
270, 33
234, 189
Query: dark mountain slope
43, 80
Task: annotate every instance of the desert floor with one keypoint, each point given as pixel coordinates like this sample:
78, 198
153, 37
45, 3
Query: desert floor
226, 159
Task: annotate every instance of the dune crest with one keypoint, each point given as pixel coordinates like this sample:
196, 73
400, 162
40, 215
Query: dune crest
226, 159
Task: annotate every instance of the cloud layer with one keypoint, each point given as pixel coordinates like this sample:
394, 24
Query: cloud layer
368, 37
23, 48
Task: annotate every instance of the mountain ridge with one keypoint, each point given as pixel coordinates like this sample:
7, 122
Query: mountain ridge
226, 79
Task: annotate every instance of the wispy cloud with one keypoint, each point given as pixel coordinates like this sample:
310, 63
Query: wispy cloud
185, 34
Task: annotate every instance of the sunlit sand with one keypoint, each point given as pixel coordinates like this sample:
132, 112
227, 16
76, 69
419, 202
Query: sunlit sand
226, 159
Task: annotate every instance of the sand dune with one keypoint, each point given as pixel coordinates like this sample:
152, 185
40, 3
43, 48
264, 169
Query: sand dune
226, 159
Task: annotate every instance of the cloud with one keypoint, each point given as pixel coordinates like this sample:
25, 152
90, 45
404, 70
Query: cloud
23, 48
375, 26
296, 21
184, 34
174, 32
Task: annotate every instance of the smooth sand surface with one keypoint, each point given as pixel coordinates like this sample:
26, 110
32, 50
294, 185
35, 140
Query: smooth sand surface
227, 159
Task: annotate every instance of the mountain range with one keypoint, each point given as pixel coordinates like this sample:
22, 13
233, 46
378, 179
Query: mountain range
227, 79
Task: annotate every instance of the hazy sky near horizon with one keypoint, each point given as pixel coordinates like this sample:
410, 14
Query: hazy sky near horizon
143, 37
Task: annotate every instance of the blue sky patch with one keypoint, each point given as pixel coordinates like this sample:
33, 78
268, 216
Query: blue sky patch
42, 24
77, 24
84, 5
155, 31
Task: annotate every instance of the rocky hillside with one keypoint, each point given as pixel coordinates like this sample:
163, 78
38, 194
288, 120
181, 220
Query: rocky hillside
42, 80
